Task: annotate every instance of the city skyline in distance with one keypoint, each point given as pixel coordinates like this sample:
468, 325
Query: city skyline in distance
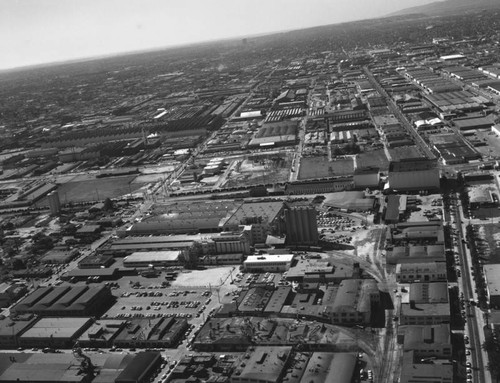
49, 31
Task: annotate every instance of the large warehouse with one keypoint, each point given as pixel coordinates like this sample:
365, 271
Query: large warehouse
152, 258
413, 175
55, 332
268, 263
481, 196
275, 134
67, 368
335, 367
492, 276
66, 301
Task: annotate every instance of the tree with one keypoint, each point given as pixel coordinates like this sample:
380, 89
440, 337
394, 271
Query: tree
108, 204
41, 243
18, 264
489, 344
494, 368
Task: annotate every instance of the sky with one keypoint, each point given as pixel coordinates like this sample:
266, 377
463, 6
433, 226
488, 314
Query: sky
43, 31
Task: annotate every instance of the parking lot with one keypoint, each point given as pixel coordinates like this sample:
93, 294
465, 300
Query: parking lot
155, 301
191, 295
336, 222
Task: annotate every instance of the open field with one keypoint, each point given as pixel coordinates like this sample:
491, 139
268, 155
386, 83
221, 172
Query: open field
375, 158
320, 167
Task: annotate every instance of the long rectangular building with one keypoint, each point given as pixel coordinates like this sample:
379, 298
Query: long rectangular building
268, 263
66, 301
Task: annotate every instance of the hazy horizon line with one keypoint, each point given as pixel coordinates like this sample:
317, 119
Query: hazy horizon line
179, 45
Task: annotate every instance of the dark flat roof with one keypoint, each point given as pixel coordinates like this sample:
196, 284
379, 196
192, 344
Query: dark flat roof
139, 367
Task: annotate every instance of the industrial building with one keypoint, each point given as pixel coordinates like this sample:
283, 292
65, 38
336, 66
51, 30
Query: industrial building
301, 225
274, 263
265, 365
435, 292
152, 259
416, 233
473, 123
420, 174
278, 299
453, 149
95, 262
72, 368
66, 301
394, 209
316, 187
236, 333
102, 333
426, 341
260, 218
126, 246
54, 202
103, 274
413, 313
350, 201
366, 178
139, 369
451, 102
197, 219
306, 270
54, 332
421, 272
226, 243
42, 368
11, 330
275, 134
481, 196
59, 256
351, 302
330, 367
492, 276
151, 332
416, 254
256, 299
415, 371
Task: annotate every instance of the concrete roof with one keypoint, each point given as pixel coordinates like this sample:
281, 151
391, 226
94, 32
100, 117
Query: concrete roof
408, 253
265, 364
425, 309
158, 239
56, 327
416, 336
153, 256
9, 327
354, 295
278, 299
492, 274
139, 367
424, 372
266, 258
436, 292
329, 367
267, 210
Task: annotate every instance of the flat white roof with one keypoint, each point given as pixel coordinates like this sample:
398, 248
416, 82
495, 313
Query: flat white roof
251, 114
265, 258
452, 57
492, 273
153, 256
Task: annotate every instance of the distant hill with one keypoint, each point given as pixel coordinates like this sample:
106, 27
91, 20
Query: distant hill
450, 7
